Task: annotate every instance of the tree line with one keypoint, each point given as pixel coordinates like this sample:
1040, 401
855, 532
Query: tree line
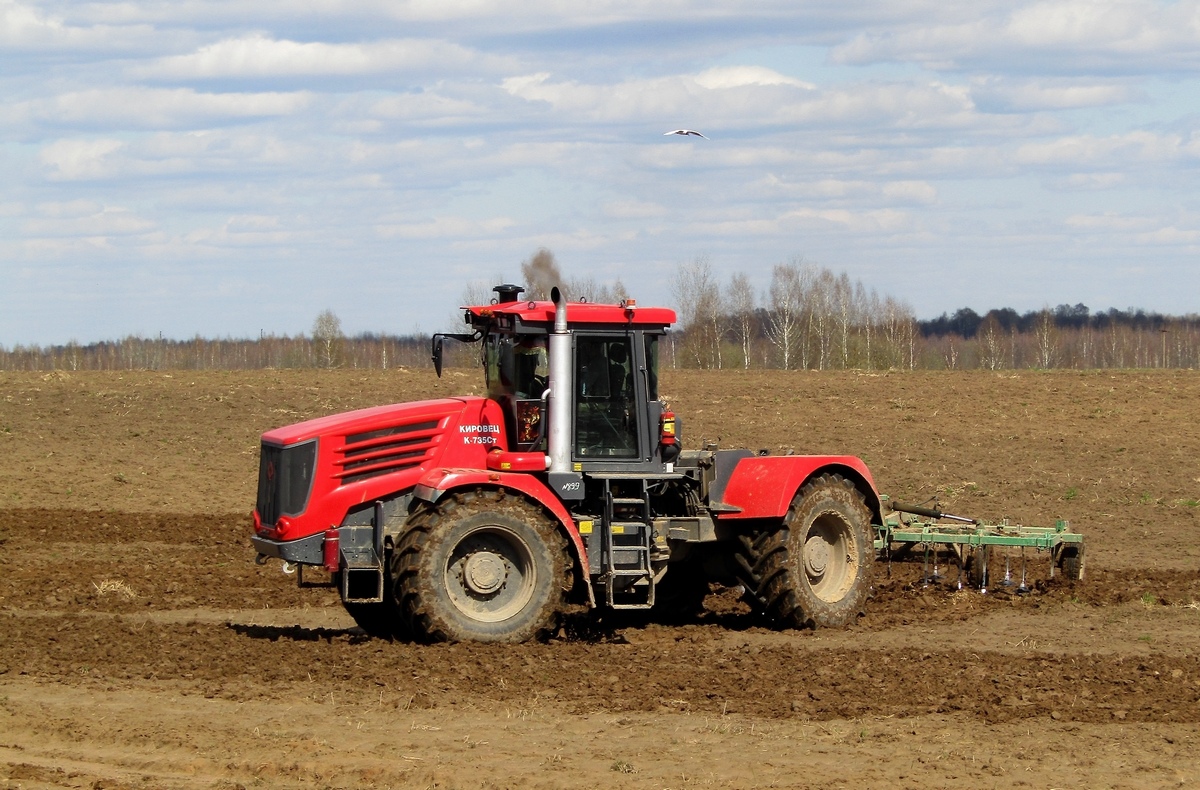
807, 318
810, 318
371, 351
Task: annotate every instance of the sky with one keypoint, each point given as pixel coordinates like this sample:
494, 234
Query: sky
227, 169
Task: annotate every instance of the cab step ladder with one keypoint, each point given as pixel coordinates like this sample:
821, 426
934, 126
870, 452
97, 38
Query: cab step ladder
628, 544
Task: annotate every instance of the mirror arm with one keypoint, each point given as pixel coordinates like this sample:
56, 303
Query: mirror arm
436, 344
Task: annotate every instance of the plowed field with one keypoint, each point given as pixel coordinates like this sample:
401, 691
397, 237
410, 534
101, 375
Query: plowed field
141, 646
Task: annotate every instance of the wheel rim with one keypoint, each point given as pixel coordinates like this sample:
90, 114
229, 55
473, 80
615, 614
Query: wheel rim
490, 575
830, 556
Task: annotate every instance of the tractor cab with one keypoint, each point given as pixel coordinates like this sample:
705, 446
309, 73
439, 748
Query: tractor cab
576, 381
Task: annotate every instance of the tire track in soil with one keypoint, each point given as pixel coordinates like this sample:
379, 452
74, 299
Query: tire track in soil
684, 669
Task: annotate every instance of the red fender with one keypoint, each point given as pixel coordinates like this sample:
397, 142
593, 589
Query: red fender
439, 481
763, 486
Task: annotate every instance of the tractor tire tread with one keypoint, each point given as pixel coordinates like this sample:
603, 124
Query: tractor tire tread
412, 595
775, 576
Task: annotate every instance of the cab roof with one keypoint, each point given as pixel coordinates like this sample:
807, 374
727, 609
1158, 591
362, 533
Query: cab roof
578, 313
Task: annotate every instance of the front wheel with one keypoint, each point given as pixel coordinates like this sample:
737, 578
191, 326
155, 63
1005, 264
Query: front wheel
814, 569
481, 566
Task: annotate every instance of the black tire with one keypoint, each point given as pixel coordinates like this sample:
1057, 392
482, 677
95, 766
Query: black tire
483, 566
1070, 562
814, 569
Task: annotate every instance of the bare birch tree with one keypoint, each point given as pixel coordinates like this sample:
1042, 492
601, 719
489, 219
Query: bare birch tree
843, 303
328, 338
785, 314
741, 305
1047, 339
700, 306
991, 351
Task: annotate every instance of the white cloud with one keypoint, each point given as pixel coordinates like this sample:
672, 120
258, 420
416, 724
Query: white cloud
739, 104
1122, 150
1172, 236
214, 155
451, 228
75, 159
1112, 222
859, 191
1129, 26
106, 222
633, 209
246, 230
131, 107
918, 192
257, 55
428, 107
20, 24
1049, 94
741, 76
28, 30
1064, 35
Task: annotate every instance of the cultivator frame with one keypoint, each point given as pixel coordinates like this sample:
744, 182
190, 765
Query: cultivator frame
971, 542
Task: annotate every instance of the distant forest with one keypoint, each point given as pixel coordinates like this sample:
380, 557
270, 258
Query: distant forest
808, 319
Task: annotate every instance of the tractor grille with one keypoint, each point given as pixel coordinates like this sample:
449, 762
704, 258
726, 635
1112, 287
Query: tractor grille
384, 451
285, 476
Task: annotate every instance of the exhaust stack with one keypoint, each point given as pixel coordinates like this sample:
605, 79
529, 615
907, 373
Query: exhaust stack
562, 384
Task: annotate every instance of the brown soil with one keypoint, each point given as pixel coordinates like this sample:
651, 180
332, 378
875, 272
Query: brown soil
141, 647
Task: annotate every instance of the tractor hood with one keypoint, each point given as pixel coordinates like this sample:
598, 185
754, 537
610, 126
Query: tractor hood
338, 462
352, 424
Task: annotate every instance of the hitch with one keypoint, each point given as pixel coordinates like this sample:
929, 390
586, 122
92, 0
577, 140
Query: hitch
933, 513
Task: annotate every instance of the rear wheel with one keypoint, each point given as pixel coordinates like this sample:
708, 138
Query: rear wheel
815, 568
481, 566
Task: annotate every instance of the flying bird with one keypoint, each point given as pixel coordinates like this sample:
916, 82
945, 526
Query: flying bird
685, 133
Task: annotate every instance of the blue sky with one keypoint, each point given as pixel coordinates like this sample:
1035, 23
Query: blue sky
230, 168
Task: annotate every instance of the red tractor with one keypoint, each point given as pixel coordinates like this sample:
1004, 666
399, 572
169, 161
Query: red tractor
484, 518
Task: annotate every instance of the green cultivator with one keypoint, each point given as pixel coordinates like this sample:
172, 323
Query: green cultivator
976, 547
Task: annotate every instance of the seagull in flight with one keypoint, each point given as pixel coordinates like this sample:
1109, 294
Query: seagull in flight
685, 133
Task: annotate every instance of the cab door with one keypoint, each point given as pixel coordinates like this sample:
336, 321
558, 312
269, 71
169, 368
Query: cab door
607, 391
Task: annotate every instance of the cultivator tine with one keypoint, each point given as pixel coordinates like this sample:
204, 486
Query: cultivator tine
1008, 582
926, 577
1024, 588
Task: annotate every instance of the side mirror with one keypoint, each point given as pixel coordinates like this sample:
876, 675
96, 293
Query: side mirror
437, 354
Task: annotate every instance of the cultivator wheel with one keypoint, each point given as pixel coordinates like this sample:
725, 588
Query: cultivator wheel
1068, 560
815, 568
483, 566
